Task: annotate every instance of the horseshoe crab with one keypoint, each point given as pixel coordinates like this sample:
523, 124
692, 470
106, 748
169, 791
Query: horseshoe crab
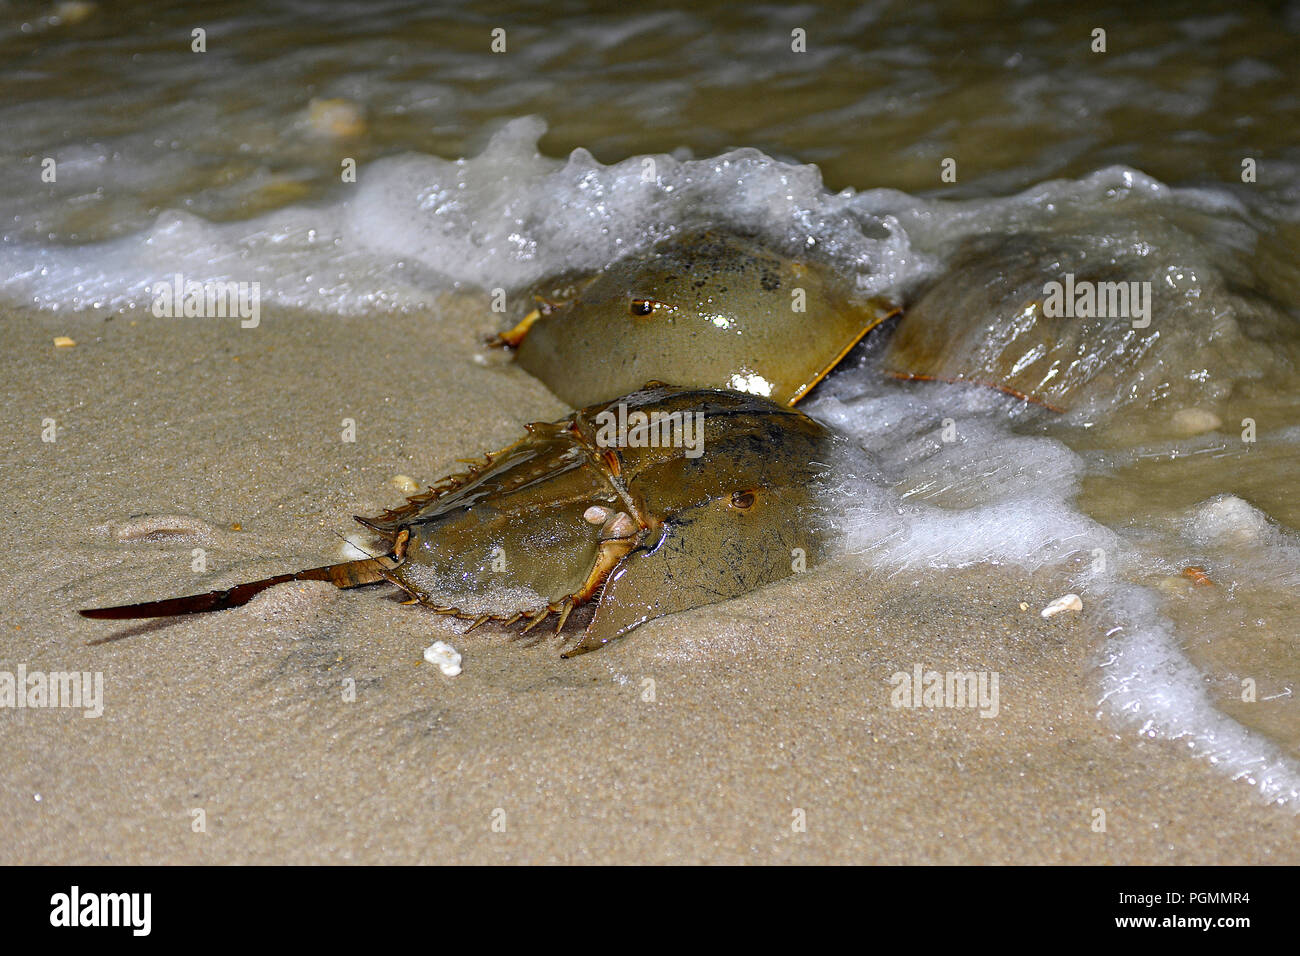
1085, 325
664, 500
984, 322
704, 309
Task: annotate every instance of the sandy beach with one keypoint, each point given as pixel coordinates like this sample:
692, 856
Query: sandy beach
306, 727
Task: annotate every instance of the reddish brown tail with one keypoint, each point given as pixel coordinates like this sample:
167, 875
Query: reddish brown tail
349, 574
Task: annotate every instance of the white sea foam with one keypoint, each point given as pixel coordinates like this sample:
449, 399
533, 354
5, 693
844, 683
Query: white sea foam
413, 225
1147, 679
991, 496
504, 218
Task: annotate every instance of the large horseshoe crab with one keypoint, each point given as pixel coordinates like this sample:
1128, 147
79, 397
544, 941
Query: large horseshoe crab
661, 501
704, 309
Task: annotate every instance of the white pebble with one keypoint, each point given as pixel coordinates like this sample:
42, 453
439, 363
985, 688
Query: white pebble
1174, 584
336, 118
405, 484
1228, 520
445, 656
1195, 421
352, 549
72, 12
596, 515
1068, 602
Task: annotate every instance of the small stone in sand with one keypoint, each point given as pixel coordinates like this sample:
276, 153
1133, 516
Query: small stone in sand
352, 548
1068, 602
63, 342
1174, 584
445, 656
1229, 520
336, 118
72, 11
1195, 421
405, 484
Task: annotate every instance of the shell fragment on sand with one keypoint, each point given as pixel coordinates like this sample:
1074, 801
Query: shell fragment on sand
405, 484
1195, 421
354, 547
335, 118
1068, 602
444, 656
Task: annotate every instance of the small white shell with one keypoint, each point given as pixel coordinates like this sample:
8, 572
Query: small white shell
72, 11
445, 656
405, 484
620, 527
596, 515
1068, 602
352, 548
335, 118
1195, 421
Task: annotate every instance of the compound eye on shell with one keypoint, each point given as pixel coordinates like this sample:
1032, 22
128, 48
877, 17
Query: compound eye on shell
742, 500
643, 306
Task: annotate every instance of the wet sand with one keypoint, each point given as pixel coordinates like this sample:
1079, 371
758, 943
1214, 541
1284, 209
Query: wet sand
770, 704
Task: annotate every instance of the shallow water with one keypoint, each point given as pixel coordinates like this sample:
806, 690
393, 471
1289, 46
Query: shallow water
601, 130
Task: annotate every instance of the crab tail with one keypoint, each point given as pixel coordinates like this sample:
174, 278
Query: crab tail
349, 574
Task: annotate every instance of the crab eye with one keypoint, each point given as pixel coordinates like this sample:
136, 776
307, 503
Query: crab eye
642, 306
742, 500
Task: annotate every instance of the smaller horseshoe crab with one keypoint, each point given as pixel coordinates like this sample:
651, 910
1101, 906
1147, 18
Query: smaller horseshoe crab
664, 500
704, 309
1074, 322
983, 323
